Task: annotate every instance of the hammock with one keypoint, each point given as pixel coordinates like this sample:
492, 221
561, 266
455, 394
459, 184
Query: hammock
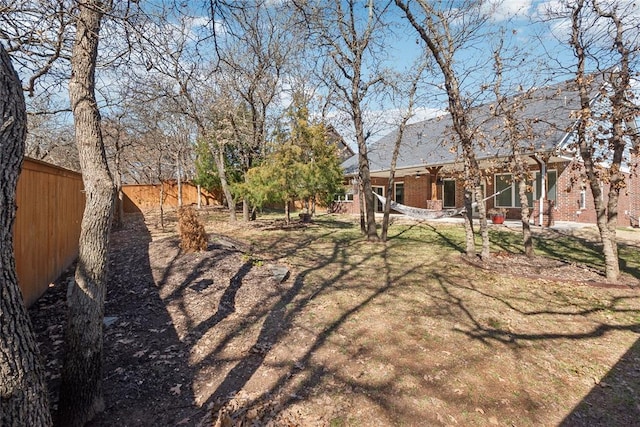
420, 213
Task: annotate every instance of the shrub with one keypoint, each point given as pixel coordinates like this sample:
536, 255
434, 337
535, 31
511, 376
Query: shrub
193, 238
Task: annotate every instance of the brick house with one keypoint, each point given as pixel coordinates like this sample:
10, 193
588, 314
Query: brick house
429, 166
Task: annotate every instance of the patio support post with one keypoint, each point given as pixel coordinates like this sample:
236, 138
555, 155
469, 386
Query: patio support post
543, 186
433, 177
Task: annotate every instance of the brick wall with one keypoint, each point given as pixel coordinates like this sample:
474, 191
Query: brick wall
566, 208
568, 205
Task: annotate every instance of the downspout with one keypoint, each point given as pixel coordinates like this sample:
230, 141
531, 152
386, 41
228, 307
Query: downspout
543, 189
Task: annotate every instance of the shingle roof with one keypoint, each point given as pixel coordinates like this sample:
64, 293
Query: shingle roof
549, 110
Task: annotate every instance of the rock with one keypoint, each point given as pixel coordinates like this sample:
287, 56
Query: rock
279, 272
110, 320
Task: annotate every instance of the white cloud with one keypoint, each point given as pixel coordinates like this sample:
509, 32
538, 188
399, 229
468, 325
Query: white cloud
378, 123
507, 9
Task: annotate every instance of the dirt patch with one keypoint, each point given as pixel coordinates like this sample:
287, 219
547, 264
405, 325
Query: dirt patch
549, 270
355, 334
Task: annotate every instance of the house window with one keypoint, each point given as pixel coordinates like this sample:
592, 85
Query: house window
509, 196
449, 193
583, 199
504, 187
398, 192
552, 178
347, 197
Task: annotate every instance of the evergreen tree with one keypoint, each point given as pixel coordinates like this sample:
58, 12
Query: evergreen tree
301, 164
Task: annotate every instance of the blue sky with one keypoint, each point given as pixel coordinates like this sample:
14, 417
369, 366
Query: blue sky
525, 23
544, 55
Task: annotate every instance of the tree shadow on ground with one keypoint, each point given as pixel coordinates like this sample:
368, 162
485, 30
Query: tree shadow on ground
568, 247
301, 372
134, 365
226, 364
206, 349
615, 399
444, 239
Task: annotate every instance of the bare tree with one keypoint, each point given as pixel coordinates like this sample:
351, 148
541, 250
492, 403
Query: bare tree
38, 34
604, 34
81, 386
518, 133
117, 140
23, 391
257, 48
349, 42
53, 40
410, 92
50, 139
177, 71
446, 28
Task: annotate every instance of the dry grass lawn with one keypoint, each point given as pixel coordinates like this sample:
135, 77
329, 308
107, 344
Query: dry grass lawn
400, 333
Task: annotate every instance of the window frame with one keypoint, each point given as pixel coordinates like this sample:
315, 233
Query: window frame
582, 201
515, 198
343, 198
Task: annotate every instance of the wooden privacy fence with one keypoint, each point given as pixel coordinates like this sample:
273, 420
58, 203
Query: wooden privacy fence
142, 197
50, 204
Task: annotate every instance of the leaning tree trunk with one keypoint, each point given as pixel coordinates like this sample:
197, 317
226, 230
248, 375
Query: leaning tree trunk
81, 388
23, 391
118, 212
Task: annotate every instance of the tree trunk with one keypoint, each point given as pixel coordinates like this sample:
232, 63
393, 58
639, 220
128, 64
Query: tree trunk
81, 387
287, 212
218, 158
119, 199
246, 211
179, 181
387, 205
468, 225
524, 217
363, 167
363, 222
609, 244
23, 391
485, 254
435, 32
392, 175
120, 204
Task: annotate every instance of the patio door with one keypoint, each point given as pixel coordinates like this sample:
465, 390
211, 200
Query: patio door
380, 191
449, 193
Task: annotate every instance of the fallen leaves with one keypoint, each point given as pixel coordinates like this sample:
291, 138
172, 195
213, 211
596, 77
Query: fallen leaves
176, 390
139, 354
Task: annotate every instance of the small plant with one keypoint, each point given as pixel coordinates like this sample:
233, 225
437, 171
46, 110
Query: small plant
497, 211
193, 238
